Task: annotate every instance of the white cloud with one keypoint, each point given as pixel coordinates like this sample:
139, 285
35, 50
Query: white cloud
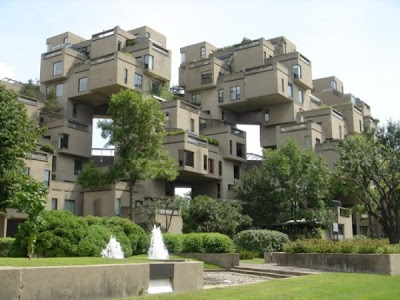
7, 71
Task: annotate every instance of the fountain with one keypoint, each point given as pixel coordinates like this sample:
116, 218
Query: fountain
157, 248
113, 249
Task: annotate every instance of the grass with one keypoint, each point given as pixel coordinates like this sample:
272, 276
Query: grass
322, 286
79, 261
256, 260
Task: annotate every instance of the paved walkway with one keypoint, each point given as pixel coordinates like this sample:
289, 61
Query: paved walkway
280, 268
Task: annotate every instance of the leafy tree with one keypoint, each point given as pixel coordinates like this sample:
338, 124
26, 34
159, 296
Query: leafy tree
205, 214
29, 89
370, 168
136, 129
292, 183
18, 137
51, 106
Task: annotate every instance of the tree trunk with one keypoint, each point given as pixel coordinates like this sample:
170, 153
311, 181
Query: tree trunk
130, 184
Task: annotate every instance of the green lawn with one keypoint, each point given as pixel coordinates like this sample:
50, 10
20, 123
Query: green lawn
256, 260
321, 286
76, 261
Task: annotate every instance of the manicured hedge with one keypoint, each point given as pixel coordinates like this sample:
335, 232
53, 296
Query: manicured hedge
360, 246
63, 234
199, 243
5, 244
260, 241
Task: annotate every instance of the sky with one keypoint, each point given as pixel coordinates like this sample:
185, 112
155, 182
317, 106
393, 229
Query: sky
356, 41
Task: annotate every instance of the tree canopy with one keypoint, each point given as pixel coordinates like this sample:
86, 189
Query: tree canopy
205, 214
136, 129
51, 106
370, 169
291, 183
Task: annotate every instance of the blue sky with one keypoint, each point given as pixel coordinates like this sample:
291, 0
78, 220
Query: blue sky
357, 41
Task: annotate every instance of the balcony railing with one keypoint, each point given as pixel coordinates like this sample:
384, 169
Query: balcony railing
102, 152
102, 59
103, 34
189, 107
337, 114
52, 54
197, 141
238, 132
78, 126
247, 45
293, 127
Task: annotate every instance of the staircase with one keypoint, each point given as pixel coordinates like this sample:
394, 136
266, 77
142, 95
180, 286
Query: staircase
271, 273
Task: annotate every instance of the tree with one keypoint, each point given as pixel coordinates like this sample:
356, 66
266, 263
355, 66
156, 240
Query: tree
18, 137
51, 106
205, 214
29, 89
136, 129
292, 183
370, 169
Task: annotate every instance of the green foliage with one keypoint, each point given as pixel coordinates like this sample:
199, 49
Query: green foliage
245, 40
360, 246
292, 183
205, 214
92, 176
173, 242
136, 125
166, 93
370, 170
210, 140
260, 241
171, 133
63, 234
18, 137
48, 148
5, 244
207, 243
248, 254
51, 106
29, 89
131, 42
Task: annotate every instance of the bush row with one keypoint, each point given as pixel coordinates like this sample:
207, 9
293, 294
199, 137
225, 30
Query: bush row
63, 234
198, 243
5, 244
361, 246
259, 241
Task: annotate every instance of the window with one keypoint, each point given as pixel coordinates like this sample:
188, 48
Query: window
317, 141
167, 116
205, 162
307, 142
46, 178
211, 166
222, 115
117, 208
296, 71
236, 172
63, 141
183, 57
54, 163
27, 170
218, 190
230, 147
220, 168
361, 126
235, 92
300, 96
65, 40
240, 150
119, 46
137, 81
206, 77
78, 167
169, 188
266, 115
138, 203
283, 85
125, 75
186, 158
202, 52
230, 187
192, 125
333, 84
59, 89
75, 110
290, 90
54, 203
340, 132
69, 205
221, 95
148, 34
155, 87
57, 68
196, 99
148, 62
83, 84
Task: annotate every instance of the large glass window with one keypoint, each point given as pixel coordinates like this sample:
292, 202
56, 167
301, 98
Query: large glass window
221, 95
333, 84
206, 77
296, 71
196, 99
300, 96
183, 57
290, 90
202, 52
78, 167
189, 158
220, 168
83, 84
205, 162
240, 150
63, 141
125, 75
236, 172
235, 92
46, 178
69, 205
138, 81
149, 62
57, 68
59, 89
118, 206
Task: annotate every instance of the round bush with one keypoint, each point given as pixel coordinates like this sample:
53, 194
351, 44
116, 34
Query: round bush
217, 243
5, 244
173, 242
193, 243
95, 241
260, 241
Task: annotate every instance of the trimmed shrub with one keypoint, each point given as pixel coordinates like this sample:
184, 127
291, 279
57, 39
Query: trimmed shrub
217, 243
360, 246
193, 243
260, 241
48, 148
246, 254
5, 244
173, 242
95, 241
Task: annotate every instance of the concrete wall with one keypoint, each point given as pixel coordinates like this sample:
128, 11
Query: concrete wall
93, 282
224, 260
359, 263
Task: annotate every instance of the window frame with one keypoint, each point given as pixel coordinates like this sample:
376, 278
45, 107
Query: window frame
149, 63
220, 95
81, 82
235, 92
297, 71
137, 81
203, 52
59, 87
58, 70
